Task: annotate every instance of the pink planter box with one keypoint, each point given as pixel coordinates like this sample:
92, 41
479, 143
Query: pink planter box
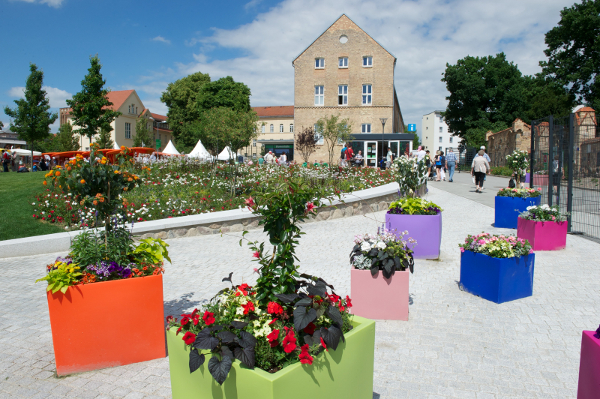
543, 236
375, 297
589, 367
540, 180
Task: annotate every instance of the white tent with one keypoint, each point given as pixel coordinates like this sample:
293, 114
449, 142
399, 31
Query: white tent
199, 152
170, 149
116, 146
24, 153
226, 155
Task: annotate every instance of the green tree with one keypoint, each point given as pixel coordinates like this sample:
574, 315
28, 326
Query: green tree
573, 51
66, 140
142, 134
416, 141
224, 92
1, 125
31, 119
486, 93
334, 132
181, 99
105, 140
90, 108
545, 97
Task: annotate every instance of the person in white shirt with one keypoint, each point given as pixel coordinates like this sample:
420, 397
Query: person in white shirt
358, 159
269, 157
420, 154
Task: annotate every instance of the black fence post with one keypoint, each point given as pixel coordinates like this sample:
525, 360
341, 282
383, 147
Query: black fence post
532, 154
571, 165
550, 158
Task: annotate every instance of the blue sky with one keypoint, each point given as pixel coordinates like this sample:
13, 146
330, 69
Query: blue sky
145, 45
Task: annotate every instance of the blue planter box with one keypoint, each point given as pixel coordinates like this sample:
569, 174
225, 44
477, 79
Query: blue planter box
497, 279
508, 210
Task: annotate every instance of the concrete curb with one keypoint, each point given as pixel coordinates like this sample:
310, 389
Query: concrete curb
359, 202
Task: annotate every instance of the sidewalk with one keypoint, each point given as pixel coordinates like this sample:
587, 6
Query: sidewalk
463, 186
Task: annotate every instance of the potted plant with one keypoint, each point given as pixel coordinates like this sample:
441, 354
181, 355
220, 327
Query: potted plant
411, 176
511, 202
518, 162
589, 365
544, 227
105, 279
498, 268
379, 276
261, 341
423, 221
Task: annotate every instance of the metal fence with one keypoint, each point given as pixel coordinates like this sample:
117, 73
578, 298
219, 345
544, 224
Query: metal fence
565, 164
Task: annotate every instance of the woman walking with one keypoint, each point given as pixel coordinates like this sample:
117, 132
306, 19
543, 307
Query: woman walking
479, 168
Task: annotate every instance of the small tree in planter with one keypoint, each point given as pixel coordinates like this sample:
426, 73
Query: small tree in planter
589, 365
412, 175
518, 162
544, 227
286, 320
379, 275
498, 268
510, 202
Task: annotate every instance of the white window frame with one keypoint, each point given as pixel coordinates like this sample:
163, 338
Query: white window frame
343, 93
272, 128
366, 128
441, 129
281, 128
127, 130
263, 128
367, 61
319, 63
367, 94
440, 139
319, 95
291, 128
343, 62
320, 138
440, 148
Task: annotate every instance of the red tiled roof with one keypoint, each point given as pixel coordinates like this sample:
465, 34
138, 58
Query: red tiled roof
158, 117
274, 112
586, 109
118, 98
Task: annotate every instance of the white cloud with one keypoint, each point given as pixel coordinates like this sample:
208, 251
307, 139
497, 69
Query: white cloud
424, 36
252, 4
161, 39
51, 3
56, 96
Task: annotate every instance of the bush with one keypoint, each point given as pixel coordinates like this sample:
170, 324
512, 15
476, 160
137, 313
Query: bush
502, 171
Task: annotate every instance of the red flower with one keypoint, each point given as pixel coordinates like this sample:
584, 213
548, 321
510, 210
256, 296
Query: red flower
348, 302
273, 338
189, 338
178, 330
272, 321
195, 319
250, 203
256, 254
289, 342
185, 318
304, 356
274, 308
170, 319
248, 307
242, 289
310, 328
323, 344
334, 298
341, 307
209, 318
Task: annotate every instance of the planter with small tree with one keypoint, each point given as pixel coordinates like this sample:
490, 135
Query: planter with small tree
544, 227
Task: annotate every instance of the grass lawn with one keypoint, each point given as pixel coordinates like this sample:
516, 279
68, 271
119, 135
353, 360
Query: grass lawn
17, 192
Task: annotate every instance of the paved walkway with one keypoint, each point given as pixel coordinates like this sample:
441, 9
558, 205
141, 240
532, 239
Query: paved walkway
455, 345
463, 186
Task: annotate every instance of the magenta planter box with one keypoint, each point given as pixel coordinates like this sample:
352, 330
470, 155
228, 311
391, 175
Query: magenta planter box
540, 180
426, 229
543, 236
376, 297
589, 367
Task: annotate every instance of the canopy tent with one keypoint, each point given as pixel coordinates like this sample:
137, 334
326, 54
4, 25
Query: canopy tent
226, 155
116, 146
170, 149
24, 153
199, 152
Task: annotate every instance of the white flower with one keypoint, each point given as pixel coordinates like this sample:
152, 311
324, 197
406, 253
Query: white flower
239, 310
365, 246
381, 245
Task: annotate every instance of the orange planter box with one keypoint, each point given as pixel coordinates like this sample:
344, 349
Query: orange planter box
107, 324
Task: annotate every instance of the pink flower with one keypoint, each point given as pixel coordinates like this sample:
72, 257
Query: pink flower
531, 251
309, 207
553, 218
250, 203
462, 249
255, 270
256, 254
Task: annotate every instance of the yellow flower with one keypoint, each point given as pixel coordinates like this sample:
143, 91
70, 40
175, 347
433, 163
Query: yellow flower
82, 181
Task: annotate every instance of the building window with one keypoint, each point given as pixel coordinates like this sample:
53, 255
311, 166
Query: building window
441, 129
319, 63
366, 95
319, 95
262, 128
366, 128
253, 143
343, 62
440, 148
450, 139
272, 128
427, 128
343, 95
441, 119
291, 128
440, 139
127, 130
320, 140
281, 128
367, 61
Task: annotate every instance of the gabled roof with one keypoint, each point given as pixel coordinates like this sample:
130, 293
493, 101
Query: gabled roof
354, 23
586, 109
118, 98
158, 117
281, 111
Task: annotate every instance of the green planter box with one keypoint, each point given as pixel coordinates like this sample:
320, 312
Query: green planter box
344, 373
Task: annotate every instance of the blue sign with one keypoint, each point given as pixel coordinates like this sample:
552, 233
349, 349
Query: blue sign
412, 127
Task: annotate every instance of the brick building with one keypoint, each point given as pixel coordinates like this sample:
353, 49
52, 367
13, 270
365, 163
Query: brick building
275, 132
346, 72
504, 142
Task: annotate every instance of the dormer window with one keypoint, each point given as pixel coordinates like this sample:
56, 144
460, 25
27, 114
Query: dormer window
319, 63
343, 62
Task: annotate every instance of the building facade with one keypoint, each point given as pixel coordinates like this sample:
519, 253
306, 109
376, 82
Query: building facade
275, 132
346, 72
435, 135
124, 126
504, 142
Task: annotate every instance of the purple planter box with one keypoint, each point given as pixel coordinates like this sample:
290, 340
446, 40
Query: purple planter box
376, 297
426, 229
543, 236
589, 367
527, 177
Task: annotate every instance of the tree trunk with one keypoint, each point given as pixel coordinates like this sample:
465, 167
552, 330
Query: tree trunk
32, 156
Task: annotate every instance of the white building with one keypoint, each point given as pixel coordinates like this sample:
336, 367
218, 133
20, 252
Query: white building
435, 135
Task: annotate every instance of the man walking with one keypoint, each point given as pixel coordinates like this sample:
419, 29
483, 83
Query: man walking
451, 162
487, 158
349, 154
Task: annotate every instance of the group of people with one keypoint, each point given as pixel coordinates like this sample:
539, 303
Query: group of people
16, 164
272, 159
439, 164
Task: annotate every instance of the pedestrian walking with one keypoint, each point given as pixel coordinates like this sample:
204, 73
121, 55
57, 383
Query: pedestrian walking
451, 163
349, 154
479, 169
389, 158
6, 158
421, 153
440, 164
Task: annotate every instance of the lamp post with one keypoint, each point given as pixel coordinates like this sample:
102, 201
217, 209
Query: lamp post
383, 120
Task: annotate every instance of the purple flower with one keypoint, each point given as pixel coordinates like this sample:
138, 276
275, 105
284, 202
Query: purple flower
597, 335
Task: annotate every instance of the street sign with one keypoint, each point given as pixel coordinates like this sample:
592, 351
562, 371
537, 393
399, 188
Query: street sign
412, 127
158, 144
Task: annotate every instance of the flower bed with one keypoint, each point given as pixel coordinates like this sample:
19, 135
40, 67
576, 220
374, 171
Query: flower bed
511, 202
544, 227
589, 365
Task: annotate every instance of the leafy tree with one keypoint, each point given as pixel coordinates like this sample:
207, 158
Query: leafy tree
416, 141
574, 51
65, 139
31, 119
1, 125
142, 134
105, 140
181, 98
224, 92
90, 107
306, 142
545, 97
486, 93
334, 132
